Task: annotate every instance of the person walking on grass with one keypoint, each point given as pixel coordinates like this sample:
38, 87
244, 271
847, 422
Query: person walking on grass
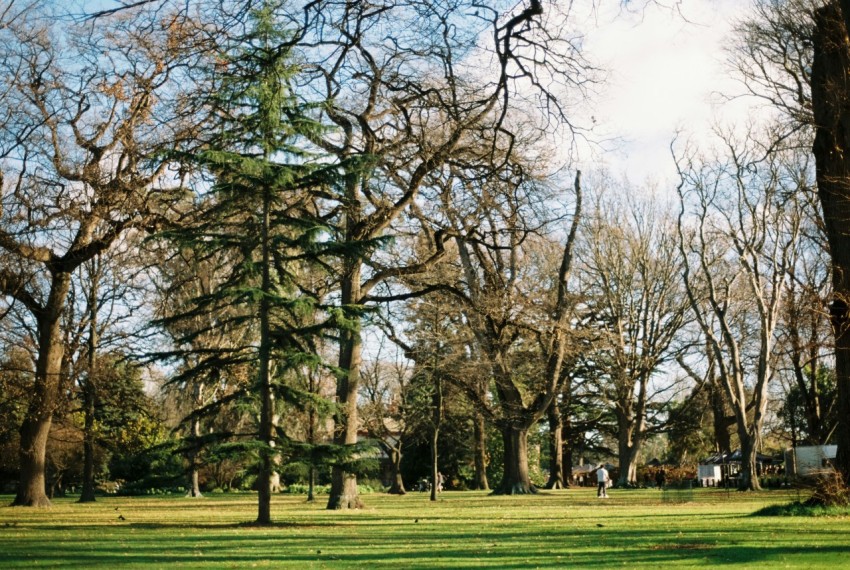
602, 482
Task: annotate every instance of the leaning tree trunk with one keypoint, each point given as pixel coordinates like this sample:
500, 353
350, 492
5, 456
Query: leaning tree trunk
35, 428
830, 80
556, 448
515, 477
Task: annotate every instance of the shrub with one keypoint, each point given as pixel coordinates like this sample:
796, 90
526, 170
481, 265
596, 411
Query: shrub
830, 490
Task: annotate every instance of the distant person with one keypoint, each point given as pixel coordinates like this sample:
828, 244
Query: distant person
440, 480
660, 479
602, 482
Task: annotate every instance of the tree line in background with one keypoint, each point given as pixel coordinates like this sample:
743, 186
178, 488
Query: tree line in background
247, 244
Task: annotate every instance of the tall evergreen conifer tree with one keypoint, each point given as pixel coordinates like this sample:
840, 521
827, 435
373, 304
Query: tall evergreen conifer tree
259, 213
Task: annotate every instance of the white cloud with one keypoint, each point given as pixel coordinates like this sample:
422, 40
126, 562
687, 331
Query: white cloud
666, 69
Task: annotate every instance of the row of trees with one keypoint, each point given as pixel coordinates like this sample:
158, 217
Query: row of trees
272, 149
274, 179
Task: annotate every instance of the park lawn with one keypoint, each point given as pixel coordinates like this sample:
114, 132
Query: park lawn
569, 528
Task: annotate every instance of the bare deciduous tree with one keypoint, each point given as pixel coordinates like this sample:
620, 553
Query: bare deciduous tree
80, 130
738, 229
404, 103
631, 270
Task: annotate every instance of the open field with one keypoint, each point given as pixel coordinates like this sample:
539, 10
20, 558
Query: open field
568, 528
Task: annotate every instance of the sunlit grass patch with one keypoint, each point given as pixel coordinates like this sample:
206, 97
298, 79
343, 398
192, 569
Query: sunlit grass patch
554, 529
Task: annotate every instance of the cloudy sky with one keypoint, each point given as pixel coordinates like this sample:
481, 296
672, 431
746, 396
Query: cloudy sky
666, 68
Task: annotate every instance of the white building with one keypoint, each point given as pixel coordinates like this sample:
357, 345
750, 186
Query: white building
709, 475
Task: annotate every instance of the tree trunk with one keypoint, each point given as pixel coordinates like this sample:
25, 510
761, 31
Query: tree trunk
35, 428
720, 419
32, 486
311, 439
264, 389
628, 464
436, 422
435, 472
556, 448
831, 109
87, 494
343, 493
397, 485
311, 484
194, 472
749, 457
515, 478
479, 478
568, 456
568, 438
842, 373
628, 449
90, 392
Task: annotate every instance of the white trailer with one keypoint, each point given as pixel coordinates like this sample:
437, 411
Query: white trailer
807, 460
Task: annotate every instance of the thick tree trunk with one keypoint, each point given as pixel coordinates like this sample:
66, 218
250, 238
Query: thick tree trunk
397, 485
628, 458
628, 448
842, 373
35, 428
32, 490
831, 108
515, 478
343, 493
720, 419
479, 480
749, 457
556, 448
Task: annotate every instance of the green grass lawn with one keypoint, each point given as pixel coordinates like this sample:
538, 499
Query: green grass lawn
569, 528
